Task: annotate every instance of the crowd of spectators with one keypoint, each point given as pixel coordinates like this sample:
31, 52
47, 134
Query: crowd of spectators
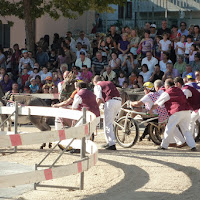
124, 57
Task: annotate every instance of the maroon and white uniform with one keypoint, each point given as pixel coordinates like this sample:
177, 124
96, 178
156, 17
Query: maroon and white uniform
193, 97
107, 91
85, 98
179, 114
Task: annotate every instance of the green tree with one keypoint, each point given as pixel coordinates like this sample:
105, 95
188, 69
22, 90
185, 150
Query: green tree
29, 10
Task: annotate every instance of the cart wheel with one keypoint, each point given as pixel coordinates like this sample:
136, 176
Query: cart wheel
128, 137
156, 134
197, 131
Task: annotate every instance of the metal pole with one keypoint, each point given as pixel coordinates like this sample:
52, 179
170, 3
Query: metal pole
83, 149
15, 122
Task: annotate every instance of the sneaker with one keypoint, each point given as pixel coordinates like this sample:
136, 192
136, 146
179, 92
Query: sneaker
161, 148
194, 149
105, 145
113, 147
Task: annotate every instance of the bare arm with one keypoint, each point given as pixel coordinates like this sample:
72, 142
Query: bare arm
99, 101
137, 103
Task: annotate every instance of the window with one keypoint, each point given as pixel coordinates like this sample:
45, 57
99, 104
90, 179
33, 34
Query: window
128, 11
5, 35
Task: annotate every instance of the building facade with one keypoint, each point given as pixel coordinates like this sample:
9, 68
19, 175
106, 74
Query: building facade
44, 25
137, 12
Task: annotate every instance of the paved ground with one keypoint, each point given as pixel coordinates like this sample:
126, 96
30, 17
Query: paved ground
12, 168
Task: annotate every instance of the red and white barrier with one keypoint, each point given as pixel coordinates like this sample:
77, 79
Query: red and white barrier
56, 172
50, 136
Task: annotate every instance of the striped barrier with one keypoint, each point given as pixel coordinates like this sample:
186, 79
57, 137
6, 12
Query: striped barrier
7, 140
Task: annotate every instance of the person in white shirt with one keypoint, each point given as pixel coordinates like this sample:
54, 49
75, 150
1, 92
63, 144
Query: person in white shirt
44, 73
145, 73
180, 46
25, 60
83, 60
150, 61
163, 63
164, 45
188, 45
73, 42
84, 41
79, 49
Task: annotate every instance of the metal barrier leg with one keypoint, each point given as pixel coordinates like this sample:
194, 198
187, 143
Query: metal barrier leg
83, 150
15, 122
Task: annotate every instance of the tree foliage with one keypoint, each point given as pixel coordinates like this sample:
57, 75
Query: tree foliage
55, 8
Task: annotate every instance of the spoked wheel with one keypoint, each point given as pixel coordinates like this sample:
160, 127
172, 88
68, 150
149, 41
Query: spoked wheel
156, 133
128, 137
197, 131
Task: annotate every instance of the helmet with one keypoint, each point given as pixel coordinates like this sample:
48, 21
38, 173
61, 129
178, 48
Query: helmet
190, 76
148, 85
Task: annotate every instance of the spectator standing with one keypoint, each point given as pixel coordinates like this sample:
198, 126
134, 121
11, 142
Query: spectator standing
188, 45
99, 63
196, 35
183, 29
180, 46
156, 49
25, 77
42, 57
15, 60
73, 42
115, 36
192, 53
164, 45
83, 60
150, 61
146, 44
2, 58
164, 29
25, 60
70, 56
153, 31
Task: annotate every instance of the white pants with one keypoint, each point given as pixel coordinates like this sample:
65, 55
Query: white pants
111, 108
194, 117
182, 119
178, 137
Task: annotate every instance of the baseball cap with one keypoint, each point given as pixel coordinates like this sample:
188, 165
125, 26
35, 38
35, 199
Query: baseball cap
35, 67
190, 76
25, 51
153, 26
148, 85
49, 78
32, 79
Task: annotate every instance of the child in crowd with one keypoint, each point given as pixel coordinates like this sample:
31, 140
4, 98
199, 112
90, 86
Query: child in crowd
27, 90
132, 79
192, 53
121, 79
34, 86
180, 46
35, 71
125, 85
25, 77
49, 82
188, 45
157, 52
164, 45
44, 73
